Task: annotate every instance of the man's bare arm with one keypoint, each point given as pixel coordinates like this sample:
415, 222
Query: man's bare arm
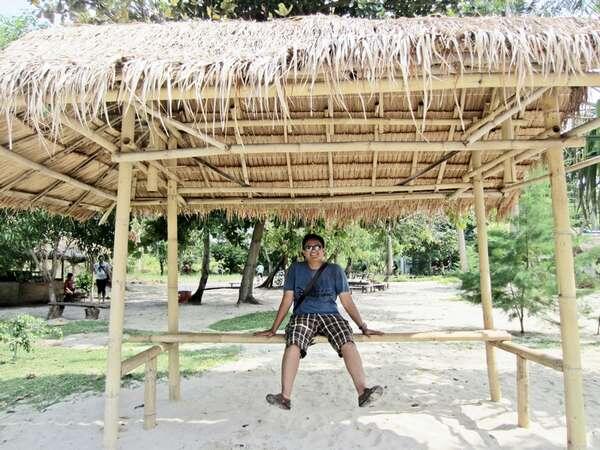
352, 310
284, 306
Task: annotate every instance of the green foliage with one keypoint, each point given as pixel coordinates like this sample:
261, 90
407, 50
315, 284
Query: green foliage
249, 322
587, 269
12, 28
521, 259
84, 281
19, 333
231, 257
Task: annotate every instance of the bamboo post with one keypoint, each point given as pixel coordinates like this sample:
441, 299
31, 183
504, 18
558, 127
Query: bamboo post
565, 276
484, 278
172, 282
150, 394
522, 392
117, 307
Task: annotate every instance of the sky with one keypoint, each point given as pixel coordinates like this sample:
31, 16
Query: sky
13, 7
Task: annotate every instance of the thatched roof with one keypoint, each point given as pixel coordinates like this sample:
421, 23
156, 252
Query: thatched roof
314, 80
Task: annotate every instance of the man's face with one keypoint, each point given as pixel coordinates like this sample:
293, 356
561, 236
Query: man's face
313, 250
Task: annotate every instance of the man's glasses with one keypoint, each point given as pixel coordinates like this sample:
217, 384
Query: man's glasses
316, 247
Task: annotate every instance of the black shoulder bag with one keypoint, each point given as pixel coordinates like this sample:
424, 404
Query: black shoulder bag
310, 286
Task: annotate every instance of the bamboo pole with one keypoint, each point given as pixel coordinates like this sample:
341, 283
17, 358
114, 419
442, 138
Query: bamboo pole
531, 354
521, 105
20, 195
172, 283
115, 329
150, 394
317, 200
484, 278
140, 358
569, 169
565, 276
352, 87
22, 161
246, 338
522, 392
508, 132
187, 190
356, 146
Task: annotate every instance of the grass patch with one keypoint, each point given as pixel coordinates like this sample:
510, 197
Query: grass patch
47, 375
249, 322
94, 326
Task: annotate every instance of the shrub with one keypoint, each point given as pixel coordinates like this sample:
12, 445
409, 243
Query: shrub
22, 331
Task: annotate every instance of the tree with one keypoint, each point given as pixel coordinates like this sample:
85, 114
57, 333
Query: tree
245, 293
521, 259
460, 222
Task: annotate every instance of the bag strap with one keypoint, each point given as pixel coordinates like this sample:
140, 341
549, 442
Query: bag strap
310, 286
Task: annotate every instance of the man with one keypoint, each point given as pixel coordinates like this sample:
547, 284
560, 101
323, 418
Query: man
102, 274
315, 312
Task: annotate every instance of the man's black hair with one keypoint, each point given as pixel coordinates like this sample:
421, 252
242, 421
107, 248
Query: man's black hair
314, 237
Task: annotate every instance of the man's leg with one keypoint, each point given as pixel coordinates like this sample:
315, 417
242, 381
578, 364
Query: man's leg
289, 369
354, 366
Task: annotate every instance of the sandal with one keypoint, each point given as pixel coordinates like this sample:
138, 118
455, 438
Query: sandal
279, 400
370, 396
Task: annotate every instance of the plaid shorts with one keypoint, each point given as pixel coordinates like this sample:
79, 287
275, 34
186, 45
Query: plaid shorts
302, 329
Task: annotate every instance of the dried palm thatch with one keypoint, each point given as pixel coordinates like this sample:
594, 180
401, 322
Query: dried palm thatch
314, 80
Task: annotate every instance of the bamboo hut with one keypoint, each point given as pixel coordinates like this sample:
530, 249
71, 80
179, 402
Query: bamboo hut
318, 117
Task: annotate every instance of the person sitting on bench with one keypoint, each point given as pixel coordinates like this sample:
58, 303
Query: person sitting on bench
69, 288
315, 312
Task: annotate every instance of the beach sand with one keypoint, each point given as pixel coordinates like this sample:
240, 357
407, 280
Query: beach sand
436, 394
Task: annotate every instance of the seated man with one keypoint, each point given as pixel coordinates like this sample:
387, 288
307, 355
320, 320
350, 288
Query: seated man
313, 286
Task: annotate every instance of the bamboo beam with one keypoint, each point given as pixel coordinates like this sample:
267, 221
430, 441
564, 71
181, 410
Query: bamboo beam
458, 113
130, 364
115, 330
289, 172
247, 338
195, 190
508, 132
172, 284
572, 168
531, 354
522, 393
426, 170
238, 140
91, 135
484, 278
182, 127
565, 277
478, 134
317, 200
22, 161
355, 87
203, 163
27, 196
366, 146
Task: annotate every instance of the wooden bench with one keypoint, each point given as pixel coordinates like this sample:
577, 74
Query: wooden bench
92, 310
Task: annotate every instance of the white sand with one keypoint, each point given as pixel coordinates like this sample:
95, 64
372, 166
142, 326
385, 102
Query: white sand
435, 394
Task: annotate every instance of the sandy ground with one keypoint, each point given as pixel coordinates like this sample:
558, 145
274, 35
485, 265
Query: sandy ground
435, 394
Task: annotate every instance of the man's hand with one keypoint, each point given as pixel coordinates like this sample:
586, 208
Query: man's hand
368, 332
266, 333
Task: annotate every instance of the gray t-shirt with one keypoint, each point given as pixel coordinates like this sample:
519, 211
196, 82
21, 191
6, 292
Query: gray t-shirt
322, 299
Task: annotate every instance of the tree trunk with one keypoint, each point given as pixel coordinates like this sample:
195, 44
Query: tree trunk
250, 266
348, 266
161, 262
462, 249
196, 298
281, 264
389, 267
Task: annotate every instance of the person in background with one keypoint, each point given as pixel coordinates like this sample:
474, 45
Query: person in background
69, 288
102, 272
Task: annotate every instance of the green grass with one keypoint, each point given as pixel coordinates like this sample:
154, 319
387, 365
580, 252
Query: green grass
47, 375
92, 326
249, 322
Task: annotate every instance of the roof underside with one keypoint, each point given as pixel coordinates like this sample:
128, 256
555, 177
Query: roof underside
225, 89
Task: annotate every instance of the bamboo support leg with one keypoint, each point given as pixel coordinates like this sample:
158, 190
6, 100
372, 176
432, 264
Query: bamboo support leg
117, 307
173, 305
484, 279
565, 277
522, 392
150, 394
